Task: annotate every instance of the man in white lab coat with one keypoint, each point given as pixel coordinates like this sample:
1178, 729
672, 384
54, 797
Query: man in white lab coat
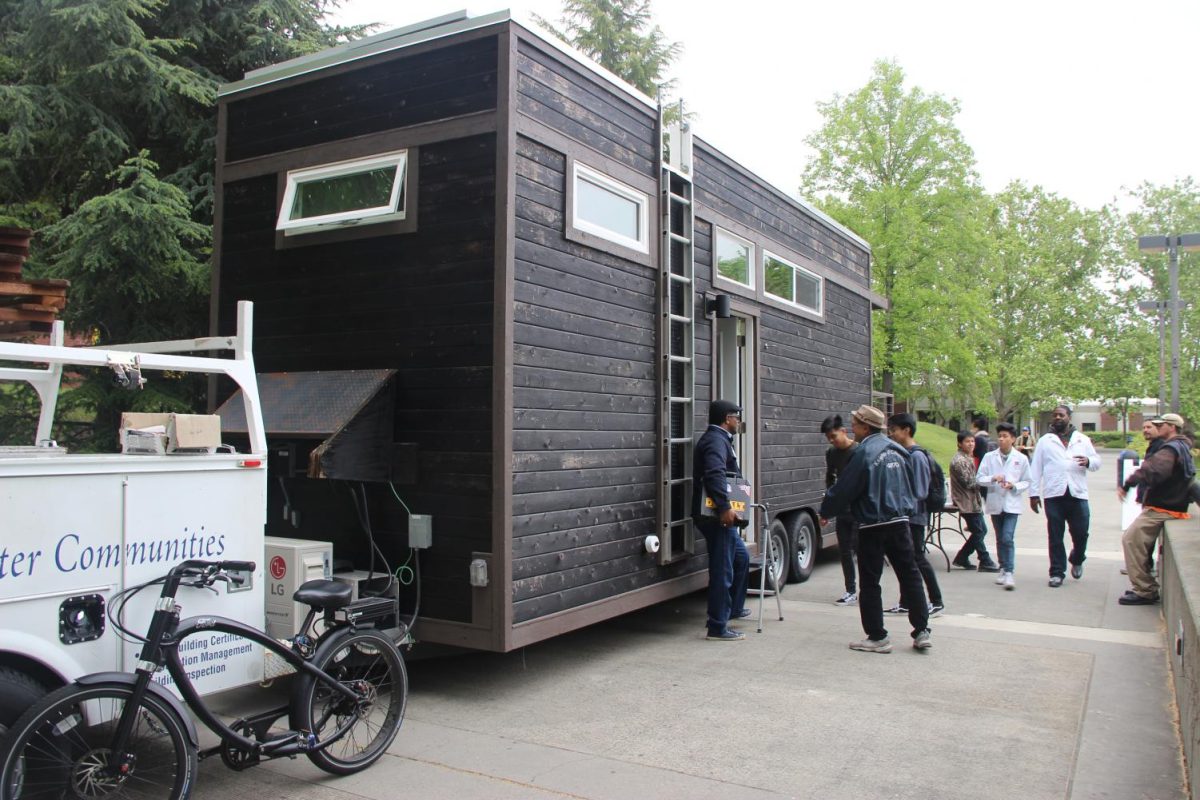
1058, 476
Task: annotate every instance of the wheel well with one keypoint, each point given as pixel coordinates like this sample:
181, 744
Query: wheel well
33, 668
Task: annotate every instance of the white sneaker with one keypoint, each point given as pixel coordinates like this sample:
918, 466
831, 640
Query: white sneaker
1008, 581
848, 599
1000, 578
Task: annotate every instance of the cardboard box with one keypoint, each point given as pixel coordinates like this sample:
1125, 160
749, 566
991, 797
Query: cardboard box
169, 433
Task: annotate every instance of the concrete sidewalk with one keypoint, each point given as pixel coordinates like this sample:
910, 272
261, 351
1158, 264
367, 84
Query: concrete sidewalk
1034, 693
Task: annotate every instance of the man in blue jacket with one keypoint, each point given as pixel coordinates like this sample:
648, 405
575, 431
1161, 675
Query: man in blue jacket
877, 487
714, 464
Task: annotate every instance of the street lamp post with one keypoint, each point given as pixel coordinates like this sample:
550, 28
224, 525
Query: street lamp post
1187, 242
1159, 307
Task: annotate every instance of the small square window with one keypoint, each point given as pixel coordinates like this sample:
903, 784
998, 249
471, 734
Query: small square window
611, 210
365, 190
734, 258
792, 283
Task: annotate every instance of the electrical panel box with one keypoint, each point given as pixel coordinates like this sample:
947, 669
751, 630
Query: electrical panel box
290, 563
420, 531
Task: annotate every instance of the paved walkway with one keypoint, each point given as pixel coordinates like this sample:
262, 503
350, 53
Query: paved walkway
1034, 693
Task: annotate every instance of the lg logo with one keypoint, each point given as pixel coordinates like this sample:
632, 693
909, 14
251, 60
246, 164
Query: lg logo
278, 568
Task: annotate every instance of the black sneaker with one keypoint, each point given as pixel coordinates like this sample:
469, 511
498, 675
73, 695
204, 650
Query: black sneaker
1056, 581
725, 636
963, 563
1077, 571
1131, 599
896, 609
745, 612
936, 609
991, 566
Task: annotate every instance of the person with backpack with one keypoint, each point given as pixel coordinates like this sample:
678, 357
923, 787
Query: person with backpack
929, 484
1166, 476
876, 487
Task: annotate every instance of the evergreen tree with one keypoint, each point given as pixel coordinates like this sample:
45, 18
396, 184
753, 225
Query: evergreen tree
618, 36
107, 150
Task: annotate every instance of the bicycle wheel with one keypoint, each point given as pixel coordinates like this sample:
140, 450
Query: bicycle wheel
368, 663
60, 749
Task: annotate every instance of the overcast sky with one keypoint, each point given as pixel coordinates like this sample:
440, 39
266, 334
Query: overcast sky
1080, 98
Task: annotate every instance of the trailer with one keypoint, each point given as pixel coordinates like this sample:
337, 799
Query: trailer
79, 528
497, 291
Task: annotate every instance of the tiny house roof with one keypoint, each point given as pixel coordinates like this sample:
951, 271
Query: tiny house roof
460, 22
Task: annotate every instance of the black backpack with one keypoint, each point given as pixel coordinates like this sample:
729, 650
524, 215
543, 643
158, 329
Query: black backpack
936, 499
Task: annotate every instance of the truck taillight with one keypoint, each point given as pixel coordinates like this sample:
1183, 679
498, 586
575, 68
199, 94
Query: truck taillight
253, 463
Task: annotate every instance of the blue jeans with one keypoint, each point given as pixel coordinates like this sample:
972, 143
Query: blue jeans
728, 570
1005, 525
1061, 513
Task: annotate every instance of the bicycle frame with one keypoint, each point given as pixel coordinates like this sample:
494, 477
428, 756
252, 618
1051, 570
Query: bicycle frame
167, 632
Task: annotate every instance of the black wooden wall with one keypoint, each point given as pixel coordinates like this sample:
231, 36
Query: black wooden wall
584, 357
419, 302
807, 369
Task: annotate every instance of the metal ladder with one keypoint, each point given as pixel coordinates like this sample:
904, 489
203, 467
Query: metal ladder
677, 340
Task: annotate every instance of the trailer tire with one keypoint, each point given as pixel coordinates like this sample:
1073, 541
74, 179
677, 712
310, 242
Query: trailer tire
804, 544
782, 543
18, 691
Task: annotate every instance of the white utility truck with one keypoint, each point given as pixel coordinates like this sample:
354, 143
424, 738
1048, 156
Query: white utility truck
77, 529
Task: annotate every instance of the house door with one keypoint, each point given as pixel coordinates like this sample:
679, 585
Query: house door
734, 380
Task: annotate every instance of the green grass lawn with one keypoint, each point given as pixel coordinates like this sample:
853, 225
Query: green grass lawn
942, 442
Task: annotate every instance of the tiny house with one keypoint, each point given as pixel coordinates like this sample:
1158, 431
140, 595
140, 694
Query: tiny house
496, 291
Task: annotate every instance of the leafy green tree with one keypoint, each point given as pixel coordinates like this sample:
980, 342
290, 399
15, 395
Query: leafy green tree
617, 35
1050, 315
1165, 210
891, 164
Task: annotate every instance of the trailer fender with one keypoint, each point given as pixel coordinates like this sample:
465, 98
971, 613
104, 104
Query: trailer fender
171, 700
52, 657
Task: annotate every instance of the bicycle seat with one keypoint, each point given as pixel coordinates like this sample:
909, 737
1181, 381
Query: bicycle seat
323, 594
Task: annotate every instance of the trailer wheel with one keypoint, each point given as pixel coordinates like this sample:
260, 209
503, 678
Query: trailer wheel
779, 539
803, 550
18, 692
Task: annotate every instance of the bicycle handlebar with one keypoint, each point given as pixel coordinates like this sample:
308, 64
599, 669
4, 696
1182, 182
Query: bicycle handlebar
210, 569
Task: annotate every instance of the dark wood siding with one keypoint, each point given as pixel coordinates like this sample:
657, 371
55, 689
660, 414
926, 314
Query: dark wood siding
387, 94
559, 97
807, 369
420, 303
584, 388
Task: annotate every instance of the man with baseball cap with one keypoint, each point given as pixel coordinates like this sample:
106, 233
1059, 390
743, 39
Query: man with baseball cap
876, 486
713, 464
1166, 476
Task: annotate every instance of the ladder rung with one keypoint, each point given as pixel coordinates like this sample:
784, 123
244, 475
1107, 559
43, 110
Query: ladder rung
679, 400
679, 359
677, 440
675, 237
678, 198
677, 318
677, 481
680, 278
676, 523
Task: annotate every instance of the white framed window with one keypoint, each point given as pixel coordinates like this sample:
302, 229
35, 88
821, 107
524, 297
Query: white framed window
607, 208
792, 283
733, 258
363, 190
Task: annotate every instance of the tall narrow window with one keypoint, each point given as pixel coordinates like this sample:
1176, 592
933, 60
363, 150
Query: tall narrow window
365, 190
608, 208
734, 258
792, 283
